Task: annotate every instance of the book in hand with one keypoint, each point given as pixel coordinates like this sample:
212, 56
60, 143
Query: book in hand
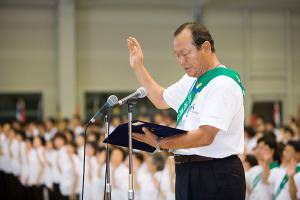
119, 136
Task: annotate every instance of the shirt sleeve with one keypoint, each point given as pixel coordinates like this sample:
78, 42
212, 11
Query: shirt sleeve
175, 94
220, 107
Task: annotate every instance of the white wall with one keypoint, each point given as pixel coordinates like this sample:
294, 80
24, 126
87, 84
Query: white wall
27, 52
102, 54
262, 44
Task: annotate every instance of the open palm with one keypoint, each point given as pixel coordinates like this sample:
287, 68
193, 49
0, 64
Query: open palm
136, 57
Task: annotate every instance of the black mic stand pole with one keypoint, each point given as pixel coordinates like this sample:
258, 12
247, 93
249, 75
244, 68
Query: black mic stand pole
107, 193
130, 175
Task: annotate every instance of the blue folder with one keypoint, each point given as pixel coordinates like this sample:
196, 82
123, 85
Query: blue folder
119, 136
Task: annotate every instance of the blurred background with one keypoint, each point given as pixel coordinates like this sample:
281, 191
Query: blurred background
65, 57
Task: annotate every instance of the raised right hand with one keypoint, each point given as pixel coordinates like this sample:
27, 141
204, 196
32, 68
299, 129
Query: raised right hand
136, 57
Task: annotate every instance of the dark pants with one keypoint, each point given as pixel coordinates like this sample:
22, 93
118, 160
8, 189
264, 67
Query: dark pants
220, 179
55, 194
68, 197
36, 192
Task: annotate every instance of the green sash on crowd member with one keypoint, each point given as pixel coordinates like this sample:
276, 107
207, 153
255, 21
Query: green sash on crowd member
201, 82
283, 182
257, 178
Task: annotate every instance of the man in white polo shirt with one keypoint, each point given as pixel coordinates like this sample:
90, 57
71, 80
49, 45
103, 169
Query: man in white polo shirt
209, 103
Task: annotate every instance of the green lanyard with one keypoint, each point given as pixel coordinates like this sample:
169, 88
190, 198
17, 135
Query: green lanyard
283, 183
201, 82
257, 178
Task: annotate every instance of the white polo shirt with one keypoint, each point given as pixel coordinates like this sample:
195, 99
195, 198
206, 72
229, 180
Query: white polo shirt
219, 104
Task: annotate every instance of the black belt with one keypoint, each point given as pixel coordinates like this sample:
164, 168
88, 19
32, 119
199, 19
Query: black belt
179, 159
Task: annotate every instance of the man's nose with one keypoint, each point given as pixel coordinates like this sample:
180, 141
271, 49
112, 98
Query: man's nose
181, 60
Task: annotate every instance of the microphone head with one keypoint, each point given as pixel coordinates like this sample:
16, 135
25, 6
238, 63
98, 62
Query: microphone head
142, 92
112, 100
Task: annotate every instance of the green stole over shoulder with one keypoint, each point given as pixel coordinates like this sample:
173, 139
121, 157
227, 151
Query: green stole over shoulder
201, 82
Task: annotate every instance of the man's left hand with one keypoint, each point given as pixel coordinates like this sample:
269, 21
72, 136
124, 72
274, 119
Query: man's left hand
148, 137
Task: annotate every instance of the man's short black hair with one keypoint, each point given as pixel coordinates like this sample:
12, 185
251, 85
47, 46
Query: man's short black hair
199, 32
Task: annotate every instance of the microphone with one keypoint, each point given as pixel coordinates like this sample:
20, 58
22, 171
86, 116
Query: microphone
112, 101
139, 93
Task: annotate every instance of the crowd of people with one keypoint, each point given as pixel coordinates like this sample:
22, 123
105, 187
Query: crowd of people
272, 160
44, 160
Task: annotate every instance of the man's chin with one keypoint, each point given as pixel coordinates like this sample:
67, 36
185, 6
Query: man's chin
190, 74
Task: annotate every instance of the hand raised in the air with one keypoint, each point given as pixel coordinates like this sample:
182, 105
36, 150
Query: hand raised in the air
136, 57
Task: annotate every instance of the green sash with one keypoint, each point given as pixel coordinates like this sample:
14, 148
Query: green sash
201, 82
257, 178
283, 183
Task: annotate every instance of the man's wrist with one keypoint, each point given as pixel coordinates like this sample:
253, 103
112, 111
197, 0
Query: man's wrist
138, 67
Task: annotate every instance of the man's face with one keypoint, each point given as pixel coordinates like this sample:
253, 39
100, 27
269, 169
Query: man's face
187, 54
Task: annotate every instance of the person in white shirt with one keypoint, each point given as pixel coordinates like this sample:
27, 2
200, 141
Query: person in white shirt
283, 183
169, 178
209, 103
90, 172
70, 176
152, 184
99, 176
138, 170
17, 147
76, 125
49, 157
60, 155
12, 167
257, 186
32, 130
25, 156
63, 125
119, 174
4, 160
80, 146
36, 168
250, 139
250, 165
51, 129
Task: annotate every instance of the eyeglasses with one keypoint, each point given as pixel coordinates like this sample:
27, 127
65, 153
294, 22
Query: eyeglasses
185, 53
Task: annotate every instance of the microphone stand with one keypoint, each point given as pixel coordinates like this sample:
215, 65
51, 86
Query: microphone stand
130, 175
107, 189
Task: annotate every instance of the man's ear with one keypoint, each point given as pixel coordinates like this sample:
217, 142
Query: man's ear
206, 46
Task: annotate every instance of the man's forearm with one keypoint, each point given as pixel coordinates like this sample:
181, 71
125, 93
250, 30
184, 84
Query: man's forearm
191, 139
154, 90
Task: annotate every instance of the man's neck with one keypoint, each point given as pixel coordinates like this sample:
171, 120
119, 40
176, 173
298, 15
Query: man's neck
212, 62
